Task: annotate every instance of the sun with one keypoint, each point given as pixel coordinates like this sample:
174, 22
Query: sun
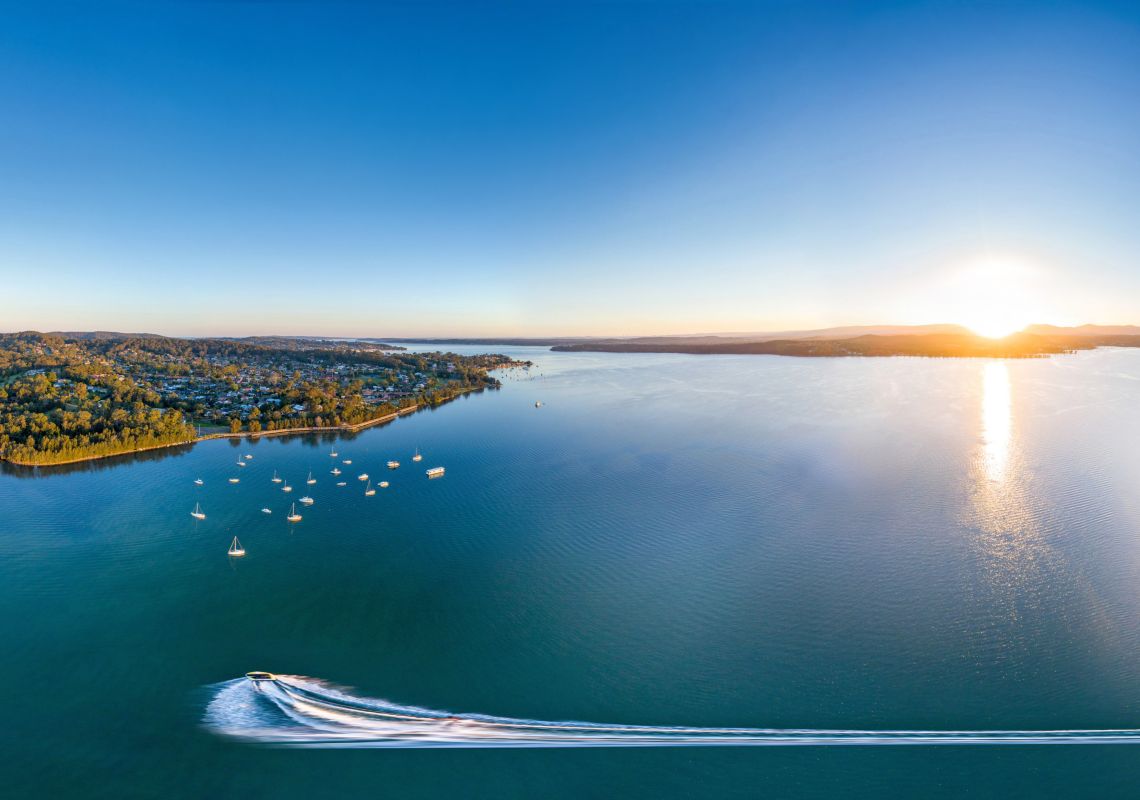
997, 327
992, 298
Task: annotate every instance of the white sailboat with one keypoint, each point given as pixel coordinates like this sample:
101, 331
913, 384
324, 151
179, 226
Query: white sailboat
311, 479
197, 512
368, 490
275, 479
236, 550
293, 515
286, 487
332, 453
417, 456
241, 462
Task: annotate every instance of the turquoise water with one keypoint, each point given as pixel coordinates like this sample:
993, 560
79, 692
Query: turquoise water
724, 542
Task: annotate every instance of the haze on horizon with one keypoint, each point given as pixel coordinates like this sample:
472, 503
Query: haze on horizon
485, 169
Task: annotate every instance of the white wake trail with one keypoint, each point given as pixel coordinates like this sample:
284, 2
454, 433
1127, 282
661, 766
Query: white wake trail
292, 710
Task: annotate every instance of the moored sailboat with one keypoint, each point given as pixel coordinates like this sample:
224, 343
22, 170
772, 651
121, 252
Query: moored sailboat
293, 515
197, 512
236, 550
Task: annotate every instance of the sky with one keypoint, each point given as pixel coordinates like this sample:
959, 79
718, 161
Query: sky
587, 168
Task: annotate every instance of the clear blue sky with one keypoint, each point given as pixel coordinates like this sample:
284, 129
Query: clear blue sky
534, 168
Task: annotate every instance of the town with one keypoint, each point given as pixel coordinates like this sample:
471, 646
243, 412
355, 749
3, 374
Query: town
68, 397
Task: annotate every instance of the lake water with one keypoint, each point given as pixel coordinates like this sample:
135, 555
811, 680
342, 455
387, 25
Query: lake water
669, 540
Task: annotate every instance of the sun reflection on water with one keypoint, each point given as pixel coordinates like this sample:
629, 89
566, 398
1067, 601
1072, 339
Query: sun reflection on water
997, 422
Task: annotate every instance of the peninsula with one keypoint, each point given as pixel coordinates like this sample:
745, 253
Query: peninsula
76, 396
932, 341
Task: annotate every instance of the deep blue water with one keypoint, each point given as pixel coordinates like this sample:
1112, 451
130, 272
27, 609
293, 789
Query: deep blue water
669, 540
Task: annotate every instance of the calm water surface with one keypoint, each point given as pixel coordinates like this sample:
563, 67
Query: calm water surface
669, 540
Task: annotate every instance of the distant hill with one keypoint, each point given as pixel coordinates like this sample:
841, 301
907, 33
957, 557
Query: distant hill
961, 344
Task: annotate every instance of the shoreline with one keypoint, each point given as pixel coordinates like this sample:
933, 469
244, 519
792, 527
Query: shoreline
347, 428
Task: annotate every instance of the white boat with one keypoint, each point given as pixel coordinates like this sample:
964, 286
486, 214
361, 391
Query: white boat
266, 511
248, 456
342, 483
347, 461
393, 465
240, 463
293, 515
383, 484
332, 453
334, 471
197, 481
306, 501
286, 487
417, 456
311, 479
368, 490
236, 550
538, 404
434, 472
234, 480
197, 512
362, 476
275, 479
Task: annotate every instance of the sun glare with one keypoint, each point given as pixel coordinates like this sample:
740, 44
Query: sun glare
992, 298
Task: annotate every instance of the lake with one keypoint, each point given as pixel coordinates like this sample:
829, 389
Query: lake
669, 540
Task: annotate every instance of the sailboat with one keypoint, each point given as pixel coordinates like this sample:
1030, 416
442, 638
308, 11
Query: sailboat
332, 453
236, 550
293, 515
197, 481
241, 462
311, 479
197, 512
369, 491
286, 487
417, 456
275, 479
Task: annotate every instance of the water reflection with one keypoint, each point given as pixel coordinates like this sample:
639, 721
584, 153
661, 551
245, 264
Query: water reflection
997, 419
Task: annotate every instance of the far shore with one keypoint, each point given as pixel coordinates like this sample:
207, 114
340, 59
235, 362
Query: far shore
238, 435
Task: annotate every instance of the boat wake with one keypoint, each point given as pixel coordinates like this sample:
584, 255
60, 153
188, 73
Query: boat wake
292, 710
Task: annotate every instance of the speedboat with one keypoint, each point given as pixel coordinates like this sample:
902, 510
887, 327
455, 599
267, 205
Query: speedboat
383, 484
347, 461
335, 471
261, 676
197, 481
235, 480
362, 476
342, 483
306, 501
266, 511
